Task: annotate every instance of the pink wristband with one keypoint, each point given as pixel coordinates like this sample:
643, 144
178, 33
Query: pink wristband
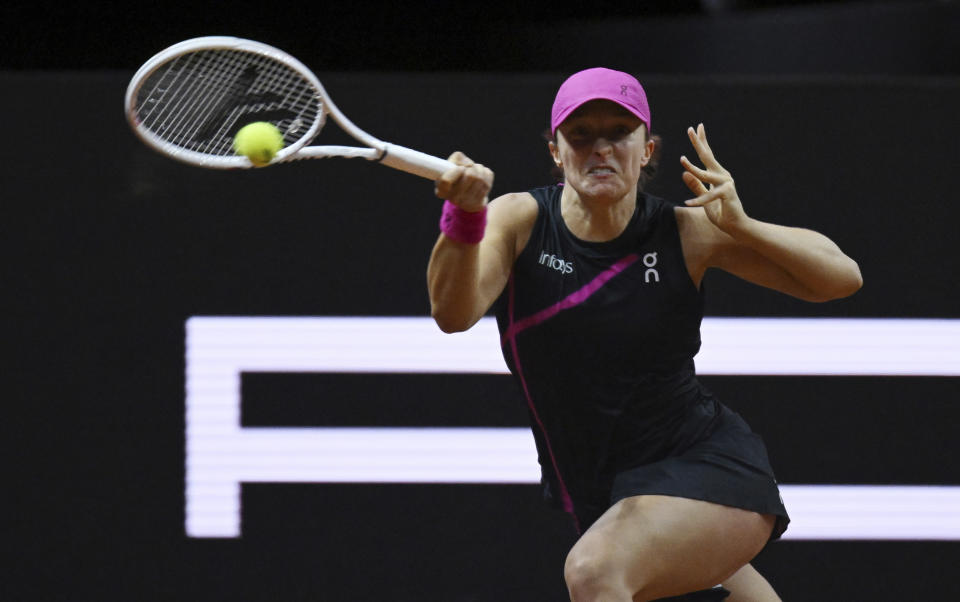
463, 226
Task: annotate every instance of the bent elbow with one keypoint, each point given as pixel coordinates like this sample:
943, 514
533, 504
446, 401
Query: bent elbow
450, 323
842, 288
857, 282
853, 282
451, 327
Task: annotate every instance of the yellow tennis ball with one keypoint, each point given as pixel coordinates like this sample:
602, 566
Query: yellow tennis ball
259, 142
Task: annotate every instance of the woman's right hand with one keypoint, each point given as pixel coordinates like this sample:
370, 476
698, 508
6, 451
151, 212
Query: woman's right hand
467, 185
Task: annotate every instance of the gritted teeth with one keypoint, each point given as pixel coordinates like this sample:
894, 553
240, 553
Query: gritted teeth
601, 169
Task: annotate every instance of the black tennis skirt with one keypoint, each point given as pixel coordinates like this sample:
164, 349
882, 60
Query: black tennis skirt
728, 466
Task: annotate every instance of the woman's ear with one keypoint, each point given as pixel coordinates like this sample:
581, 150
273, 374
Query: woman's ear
648, 149
555, 153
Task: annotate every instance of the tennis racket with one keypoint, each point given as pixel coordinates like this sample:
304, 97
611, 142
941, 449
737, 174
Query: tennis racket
189, 101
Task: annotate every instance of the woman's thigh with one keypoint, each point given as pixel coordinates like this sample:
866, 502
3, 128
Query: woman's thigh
659, 546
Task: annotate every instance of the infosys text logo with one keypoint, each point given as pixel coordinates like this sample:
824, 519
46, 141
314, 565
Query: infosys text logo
552, 261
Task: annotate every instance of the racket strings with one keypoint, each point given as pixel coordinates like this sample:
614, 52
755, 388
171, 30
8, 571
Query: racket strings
188, 87
199, 100
200, 87
209, 87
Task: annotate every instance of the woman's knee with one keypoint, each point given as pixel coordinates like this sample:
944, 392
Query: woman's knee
593, 574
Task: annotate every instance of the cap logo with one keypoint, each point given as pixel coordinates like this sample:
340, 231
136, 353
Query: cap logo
623, 90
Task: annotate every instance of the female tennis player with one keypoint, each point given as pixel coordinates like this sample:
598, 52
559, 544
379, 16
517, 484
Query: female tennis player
598, 298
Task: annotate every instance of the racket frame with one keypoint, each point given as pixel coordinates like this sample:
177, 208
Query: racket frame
391, 155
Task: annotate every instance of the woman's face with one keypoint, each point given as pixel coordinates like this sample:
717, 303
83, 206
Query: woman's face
602, 149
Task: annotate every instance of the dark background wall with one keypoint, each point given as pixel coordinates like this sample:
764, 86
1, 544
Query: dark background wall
835, 116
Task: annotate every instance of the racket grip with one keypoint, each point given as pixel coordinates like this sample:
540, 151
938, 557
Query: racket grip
415, 162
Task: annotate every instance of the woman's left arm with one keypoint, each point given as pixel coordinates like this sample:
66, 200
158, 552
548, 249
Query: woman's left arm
796, 261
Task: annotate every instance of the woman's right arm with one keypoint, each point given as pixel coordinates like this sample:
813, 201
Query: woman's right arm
464, 279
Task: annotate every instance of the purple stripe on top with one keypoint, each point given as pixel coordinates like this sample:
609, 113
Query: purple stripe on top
510, 336
566, 500
572, 300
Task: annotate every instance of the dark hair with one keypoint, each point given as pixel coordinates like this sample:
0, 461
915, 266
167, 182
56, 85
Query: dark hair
649, 170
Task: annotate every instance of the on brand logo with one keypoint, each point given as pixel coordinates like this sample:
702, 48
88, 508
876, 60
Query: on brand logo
650, 260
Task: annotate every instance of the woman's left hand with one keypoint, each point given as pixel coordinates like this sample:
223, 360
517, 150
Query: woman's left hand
713, 186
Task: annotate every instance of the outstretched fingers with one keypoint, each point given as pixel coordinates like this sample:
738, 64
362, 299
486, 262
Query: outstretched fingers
715, 193
698, 138
710, 176
711, 182
693, 183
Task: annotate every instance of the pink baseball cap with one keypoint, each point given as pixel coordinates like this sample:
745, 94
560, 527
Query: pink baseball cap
596, 84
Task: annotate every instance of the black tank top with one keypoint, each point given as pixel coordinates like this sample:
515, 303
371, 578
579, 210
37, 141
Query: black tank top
601, 338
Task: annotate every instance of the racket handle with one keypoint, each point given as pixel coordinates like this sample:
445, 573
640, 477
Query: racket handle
415, 162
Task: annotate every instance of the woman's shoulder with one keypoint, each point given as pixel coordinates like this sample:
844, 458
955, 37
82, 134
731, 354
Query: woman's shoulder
513, 216
516, 206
